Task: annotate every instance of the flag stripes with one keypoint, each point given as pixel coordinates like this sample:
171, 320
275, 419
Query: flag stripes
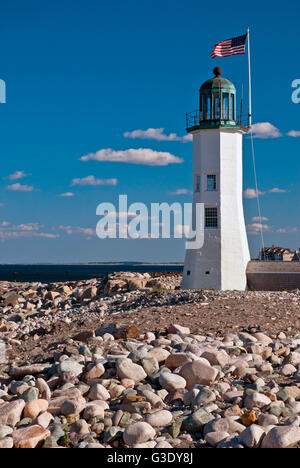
235, 46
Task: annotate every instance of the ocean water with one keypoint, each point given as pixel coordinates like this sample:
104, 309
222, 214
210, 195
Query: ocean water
74, 272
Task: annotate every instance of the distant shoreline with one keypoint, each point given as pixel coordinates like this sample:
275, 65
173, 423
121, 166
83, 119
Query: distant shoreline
91, 263
63, 272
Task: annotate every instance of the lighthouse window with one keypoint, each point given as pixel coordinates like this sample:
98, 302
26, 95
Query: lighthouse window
197, 183
206, 107
211, 218
211, 182
217, 113
232, 109
226, 106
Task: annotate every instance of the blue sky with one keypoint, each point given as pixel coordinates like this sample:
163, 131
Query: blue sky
81, 74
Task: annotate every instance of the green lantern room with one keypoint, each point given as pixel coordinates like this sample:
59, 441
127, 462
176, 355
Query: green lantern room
217, 107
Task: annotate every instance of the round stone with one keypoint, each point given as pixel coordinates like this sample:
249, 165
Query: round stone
138, 433
171, 382
160, 418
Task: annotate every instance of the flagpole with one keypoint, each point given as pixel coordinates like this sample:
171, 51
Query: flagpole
252, 144
250, 83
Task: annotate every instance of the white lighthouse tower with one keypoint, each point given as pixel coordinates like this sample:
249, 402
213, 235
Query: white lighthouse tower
218, 184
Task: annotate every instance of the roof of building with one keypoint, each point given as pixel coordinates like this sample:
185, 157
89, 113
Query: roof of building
277, 250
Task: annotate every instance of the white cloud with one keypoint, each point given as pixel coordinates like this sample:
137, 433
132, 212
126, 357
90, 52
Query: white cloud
87, 231
70, 230
187, 138
182, 229
91, 180
67, 194
252, 193
157, 134
294, 134
255, 228
29, 227
20, 188
288, 230
145, 156
9, 231
265, 130
181, 191
17, 175
277, 190
18, 234
258, 218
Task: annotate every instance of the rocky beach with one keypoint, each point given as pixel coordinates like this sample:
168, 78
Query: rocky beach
129, 360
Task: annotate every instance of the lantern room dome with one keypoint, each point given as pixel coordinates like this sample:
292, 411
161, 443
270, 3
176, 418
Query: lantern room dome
217, 83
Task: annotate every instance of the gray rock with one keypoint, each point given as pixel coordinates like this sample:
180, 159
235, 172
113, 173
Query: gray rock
69, 366
196, 421
112, 433
204, 397
30, 395
50, 442
57, 431
5, 431
282, 394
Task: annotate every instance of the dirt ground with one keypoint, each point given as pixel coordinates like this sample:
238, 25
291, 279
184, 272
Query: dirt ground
216, 317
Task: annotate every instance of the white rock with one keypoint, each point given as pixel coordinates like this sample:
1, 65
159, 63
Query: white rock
214, 438
171, 381
179, 329
98, 392
163, 444
138, 433
256, 400
282, 437
288, 369
160, 418
150, 444
126, 369
252, 436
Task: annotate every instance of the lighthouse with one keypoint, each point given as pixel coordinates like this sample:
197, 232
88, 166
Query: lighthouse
218, 184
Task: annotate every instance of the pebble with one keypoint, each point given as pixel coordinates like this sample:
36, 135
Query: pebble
138, 433
34, 408
197, 372
214, 438
113, 386
98, 392
172, 382
252, 436
126, 369
256, 400
282, 437
30, 437
160, 418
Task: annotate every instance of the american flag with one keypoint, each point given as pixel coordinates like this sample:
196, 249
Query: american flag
234, 46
